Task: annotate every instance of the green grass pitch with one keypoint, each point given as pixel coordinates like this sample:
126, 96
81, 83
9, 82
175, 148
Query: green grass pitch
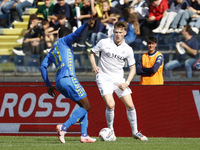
73, 143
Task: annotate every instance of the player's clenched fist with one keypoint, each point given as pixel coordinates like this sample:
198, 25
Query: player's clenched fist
95, 70
123, 86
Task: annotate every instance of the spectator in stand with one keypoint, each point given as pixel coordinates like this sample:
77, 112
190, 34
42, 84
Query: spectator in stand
87, 12
169, 15
141, 8
48, 34
109, 23
156, 11
74, 22
183, 17
33, 21
133, 34
1, 4
4, 22
78, 3
34, 29
122, 6
61, 8
191, 14
195, 23
63, 22
18, 5
133, 29
97, 8
32, 43
187, 59
107, 11
46, 10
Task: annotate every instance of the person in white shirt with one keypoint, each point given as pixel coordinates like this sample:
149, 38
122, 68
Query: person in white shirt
110, 75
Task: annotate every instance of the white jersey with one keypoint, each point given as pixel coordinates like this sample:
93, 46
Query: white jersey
112, 58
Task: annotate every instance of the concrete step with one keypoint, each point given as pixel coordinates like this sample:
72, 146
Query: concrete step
18, 31
25, 18
9, 45
11, 38
29, 11
40, 16
40, 3
6, 51
23, 25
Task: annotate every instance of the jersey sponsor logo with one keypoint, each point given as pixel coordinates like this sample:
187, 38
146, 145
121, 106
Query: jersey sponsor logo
112, 55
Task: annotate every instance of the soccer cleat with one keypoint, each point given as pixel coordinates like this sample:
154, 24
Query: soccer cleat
139, 136
61, 134
87, 139
114, 137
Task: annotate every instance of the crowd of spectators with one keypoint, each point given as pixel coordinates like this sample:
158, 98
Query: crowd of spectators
144, 17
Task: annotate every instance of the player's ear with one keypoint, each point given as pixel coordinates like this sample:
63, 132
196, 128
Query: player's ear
125, 32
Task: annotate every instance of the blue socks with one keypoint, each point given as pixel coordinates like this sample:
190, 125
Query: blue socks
84, 125
78, 114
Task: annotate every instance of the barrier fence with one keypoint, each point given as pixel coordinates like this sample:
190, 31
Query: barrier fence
171, 110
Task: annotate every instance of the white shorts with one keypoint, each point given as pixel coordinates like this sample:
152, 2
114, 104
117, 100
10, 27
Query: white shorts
107, 85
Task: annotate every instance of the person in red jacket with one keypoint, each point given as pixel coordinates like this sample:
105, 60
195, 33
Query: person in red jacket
156, 12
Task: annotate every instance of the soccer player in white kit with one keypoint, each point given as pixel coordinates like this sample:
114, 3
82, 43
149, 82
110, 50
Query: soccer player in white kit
110, 75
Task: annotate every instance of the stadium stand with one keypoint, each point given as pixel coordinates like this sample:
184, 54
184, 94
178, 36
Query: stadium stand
9, 39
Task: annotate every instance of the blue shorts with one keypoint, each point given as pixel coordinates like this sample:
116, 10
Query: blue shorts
71, 88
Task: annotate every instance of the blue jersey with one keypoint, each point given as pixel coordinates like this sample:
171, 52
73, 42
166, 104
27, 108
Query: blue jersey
62, 56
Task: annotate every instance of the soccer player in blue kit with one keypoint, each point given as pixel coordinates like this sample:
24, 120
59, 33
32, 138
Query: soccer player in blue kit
61, 54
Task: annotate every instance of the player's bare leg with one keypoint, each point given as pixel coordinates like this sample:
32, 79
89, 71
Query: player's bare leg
132, 117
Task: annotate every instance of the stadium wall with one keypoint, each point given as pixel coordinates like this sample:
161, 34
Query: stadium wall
172, 110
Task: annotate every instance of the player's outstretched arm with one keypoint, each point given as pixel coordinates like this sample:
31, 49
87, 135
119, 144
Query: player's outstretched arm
73, 36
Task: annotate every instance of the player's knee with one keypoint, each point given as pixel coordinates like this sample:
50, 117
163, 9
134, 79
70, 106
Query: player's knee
87, 108
111, 106
130, 107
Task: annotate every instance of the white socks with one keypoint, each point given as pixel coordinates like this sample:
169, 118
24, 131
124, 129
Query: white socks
132, 117
110, 117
